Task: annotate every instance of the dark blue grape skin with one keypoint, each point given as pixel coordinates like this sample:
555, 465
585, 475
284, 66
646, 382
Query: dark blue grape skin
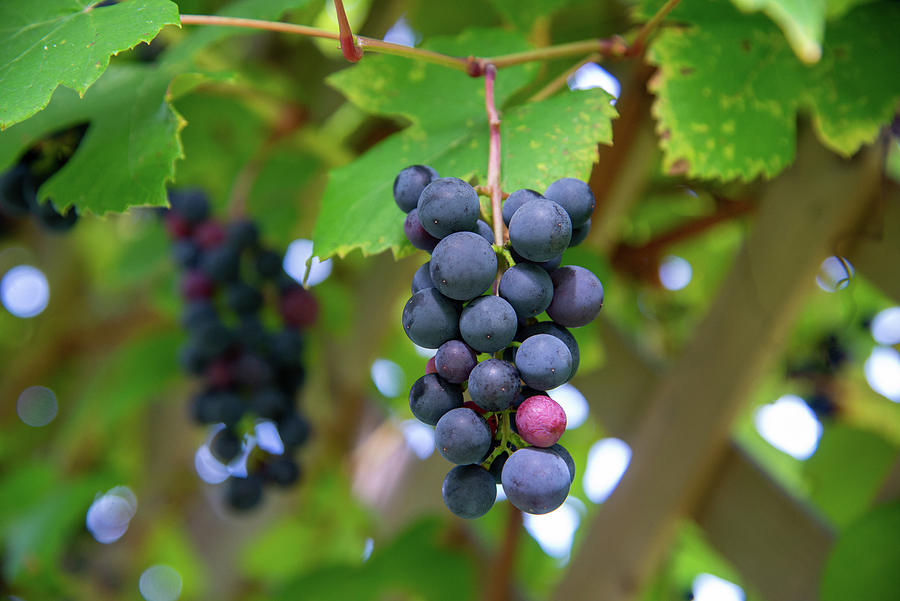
416, 234
268, 264
192, 359
535, 480
269, 402
211, 407
544, 362
524, 393
430, 319
221, 264
462, 437
242, 234
186, 254
516, 200
577, 296
242, 298
488, 324
484, 230
454, 361
448, 205
409, 183
528, 288
554, 329
190, 204
549, 265
422, 278
463, 265
565, 456
294, 430
244, 494
225, 445
580, 233
540, 230
281, 471
432, 396
574, 196
469, 491
494, 384
496, 469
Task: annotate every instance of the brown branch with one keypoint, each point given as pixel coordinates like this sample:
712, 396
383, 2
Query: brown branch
499, 577
642, 262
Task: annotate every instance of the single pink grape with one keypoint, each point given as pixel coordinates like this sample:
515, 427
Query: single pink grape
540, 421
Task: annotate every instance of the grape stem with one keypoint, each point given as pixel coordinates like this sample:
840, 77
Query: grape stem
349, 48
353, 47
493, 174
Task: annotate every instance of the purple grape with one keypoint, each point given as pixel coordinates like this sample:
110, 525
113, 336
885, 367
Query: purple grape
536, 480
462, 437
575, 197
448, 205
463, 265
416, 234
540, 230
577, 296
454, 360
488, 324
469, 491
494, 384
409, 184
432, 396
528, 288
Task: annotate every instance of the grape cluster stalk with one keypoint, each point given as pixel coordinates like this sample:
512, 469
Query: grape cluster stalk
485, 390
251, 372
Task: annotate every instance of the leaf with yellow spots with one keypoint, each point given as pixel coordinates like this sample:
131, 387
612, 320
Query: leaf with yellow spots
66, 42
729, 88
542, 142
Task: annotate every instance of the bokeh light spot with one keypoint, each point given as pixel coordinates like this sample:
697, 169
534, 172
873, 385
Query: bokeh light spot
789, 425
108, 516
160, 583
707, 587
886, 326
883, 372
675, 273
298, 253
419, 438
572, 402
607, 461
24, 291
592, 75
387, 377
555, 531
401, 33
37, 406
834, 274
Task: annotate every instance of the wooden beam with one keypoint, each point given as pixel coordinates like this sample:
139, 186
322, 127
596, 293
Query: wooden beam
876, 252
685, 432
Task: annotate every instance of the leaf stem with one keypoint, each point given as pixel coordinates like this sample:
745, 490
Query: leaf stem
367, 44
351, 51
613, 47
637, 45
551, 88
493, 174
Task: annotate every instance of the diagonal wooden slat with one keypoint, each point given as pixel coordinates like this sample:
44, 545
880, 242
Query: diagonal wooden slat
685, 431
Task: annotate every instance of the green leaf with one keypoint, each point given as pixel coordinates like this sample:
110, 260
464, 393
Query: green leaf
128, 152
130, 149
865, 560
729, 89
432, 95
66, 42
541, 142
524, 13
396, 568
846, 471
802, 21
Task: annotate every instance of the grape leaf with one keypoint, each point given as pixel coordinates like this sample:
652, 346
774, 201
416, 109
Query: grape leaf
433, 95
130, 149
729, 89
802, 21
541, 142
66, 42
865, 560
523, 13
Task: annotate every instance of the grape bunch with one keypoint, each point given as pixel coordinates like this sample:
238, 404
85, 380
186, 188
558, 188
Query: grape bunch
251, 373
19, 185
484, 391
